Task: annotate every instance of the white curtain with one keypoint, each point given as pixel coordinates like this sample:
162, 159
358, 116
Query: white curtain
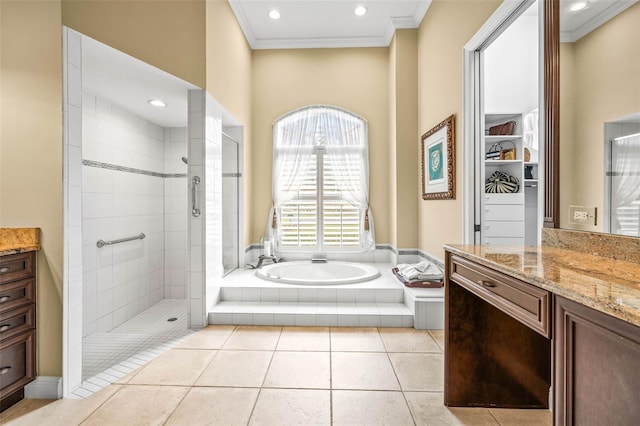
348, 155
343, 138
625, 185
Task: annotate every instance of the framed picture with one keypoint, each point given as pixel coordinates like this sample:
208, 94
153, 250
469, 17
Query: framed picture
438, 161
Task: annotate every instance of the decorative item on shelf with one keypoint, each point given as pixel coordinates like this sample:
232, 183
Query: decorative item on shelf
494, 152
501, 183
503, 129
528, 172
508, 153
527, 155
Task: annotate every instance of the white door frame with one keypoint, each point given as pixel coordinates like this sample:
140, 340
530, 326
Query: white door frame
473, 112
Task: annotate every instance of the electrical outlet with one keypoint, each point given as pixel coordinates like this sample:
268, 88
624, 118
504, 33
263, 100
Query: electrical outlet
581, 215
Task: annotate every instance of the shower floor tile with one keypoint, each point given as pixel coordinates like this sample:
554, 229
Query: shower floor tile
132, 344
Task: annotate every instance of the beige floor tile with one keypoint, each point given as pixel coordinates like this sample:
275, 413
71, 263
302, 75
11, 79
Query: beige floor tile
438, 336
236, 369
254, 338
177, 367
313, 339
514, 417
23, 408
138, 405
370, 408
408, 340
356, 340
65, 412
419, 372
292, 407
358, 370
310, 370
212, 337
428, 409
214, 406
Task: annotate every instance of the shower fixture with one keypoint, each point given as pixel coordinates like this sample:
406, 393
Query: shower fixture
184, 160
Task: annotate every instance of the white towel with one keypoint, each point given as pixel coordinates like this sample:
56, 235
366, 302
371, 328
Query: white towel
422, 271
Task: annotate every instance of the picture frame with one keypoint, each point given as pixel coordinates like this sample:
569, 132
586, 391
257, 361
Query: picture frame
438, 161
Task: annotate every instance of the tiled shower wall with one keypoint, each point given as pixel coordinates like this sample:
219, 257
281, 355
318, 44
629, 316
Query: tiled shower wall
175, 213
124, 195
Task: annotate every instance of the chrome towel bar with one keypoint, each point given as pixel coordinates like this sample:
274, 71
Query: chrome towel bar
102, 243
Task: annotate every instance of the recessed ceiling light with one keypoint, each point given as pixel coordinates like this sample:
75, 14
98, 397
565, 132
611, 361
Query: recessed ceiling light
274, 14
579, 6
157, 103
360, 10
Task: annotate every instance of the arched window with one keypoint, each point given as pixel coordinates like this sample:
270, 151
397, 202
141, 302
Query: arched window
321, 181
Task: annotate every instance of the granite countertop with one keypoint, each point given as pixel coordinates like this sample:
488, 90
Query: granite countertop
604, 284
18, 240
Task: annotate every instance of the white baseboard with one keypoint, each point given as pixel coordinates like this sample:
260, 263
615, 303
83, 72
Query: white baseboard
44, 387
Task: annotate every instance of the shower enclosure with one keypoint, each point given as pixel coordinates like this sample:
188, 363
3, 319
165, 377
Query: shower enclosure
230, 203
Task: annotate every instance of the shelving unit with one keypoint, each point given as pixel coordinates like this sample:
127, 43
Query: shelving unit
506, 217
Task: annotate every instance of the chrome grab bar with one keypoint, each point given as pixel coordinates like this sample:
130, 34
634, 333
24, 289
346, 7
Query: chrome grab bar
195, 211
102, 243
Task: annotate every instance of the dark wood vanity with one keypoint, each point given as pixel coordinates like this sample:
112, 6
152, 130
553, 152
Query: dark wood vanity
521, 322
17, 312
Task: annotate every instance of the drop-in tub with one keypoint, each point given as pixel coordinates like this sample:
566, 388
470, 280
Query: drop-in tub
323, 273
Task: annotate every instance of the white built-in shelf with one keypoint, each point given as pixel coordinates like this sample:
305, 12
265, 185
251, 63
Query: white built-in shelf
502, 161
530, 163
498, 138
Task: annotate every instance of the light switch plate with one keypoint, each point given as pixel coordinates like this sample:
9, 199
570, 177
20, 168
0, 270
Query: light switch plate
582, 215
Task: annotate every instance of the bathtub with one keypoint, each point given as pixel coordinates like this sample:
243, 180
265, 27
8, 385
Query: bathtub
327, 273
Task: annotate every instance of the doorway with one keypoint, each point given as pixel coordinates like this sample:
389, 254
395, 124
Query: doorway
503, 191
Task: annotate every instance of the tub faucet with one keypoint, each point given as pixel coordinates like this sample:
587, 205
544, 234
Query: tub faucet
261, 259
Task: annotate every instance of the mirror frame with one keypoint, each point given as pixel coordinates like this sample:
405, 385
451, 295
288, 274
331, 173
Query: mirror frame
551, 115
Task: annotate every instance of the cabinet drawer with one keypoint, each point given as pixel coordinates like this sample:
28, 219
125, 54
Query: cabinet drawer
17, 266
511, 212
16, 294
504, 229
528, 304
17, 362
17, 321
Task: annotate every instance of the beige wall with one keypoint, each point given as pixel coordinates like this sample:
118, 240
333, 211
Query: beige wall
445, 29
606, 86
403, 140
353, 79
567, 102
167, 34
229, 82
31, 153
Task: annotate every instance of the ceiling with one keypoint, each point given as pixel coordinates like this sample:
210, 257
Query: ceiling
575, 25
325, 23
129, 83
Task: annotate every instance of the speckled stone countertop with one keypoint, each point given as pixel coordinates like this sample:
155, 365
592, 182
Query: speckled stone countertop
18, 240
606, 285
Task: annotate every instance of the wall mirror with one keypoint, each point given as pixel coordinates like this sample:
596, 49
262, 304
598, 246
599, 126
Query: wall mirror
597, 66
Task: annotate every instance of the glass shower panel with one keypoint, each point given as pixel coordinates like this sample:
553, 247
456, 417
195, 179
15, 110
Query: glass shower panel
230, 211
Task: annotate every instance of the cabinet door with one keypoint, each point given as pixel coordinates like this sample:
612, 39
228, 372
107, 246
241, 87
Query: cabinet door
597, 365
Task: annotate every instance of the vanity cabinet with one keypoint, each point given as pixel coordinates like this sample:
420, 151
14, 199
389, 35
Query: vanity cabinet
17, 326
497, 345
597, 360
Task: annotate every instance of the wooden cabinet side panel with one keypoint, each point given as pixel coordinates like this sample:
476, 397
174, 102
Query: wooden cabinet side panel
597, 364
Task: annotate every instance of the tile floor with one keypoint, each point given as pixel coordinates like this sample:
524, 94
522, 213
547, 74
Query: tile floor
251, 375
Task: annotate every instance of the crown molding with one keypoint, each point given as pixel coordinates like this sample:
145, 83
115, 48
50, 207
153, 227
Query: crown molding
593, 23
395, 23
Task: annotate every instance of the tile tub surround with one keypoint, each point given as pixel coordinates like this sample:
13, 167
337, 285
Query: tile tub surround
604, 284
618, 247
18, 240
294, 395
